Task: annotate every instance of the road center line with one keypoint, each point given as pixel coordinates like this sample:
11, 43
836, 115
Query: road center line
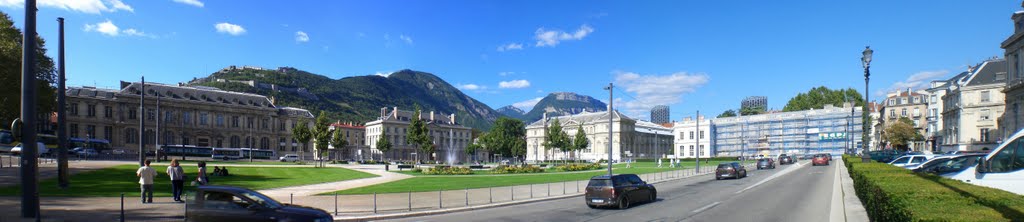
706, 207
773, 176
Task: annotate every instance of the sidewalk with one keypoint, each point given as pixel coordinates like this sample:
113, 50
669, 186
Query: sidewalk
285, 193
853, 208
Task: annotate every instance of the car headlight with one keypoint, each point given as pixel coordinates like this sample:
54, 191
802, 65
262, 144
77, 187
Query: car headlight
324, 219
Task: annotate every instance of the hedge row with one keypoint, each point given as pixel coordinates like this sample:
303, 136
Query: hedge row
579, 167
892, 193
510, 169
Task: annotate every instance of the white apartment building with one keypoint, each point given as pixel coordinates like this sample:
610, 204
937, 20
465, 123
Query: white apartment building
933, 131
687, 133
972, 104
449, 137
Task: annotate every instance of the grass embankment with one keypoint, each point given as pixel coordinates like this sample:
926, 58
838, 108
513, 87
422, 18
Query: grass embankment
112, 181
484, 179
892, 193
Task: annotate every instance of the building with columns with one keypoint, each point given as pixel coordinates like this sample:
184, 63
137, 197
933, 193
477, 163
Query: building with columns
449, 137
188, 115
1013, 47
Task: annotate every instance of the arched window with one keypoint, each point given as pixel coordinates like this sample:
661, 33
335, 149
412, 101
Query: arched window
265, 143
235, 142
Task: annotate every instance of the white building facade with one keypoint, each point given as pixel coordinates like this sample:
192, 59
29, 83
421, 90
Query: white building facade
629, 138
693, 138
972, 105
449, 138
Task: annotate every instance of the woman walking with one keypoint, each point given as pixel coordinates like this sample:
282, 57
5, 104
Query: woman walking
202, 179
177, 175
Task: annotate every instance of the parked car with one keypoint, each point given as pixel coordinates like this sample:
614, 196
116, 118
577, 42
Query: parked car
931, 162
618, 191
289, 158
224, 203
88, 152
1003, 168
819, 159
43, 151
828, 156
909, 160
734, 170
885, 156
807, 156
944, 166
765, 164
118, 152
783, 160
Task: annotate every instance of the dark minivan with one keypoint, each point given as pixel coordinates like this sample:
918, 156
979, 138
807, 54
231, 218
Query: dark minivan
734, 170
618, 191
224, 203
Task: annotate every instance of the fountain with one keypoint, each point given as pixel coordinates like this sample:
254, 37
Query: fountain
450, 152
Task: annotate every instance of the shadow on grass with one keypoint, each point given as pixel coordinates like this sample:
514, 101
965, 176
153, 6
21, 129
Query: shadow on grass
1006, 211
112, 186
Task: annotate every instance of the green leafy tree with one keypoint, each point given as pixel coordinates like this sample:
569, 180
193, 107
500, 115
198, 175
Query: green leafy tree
472, 149
302, 133
338, 140
418, 134
555, 138
580, 142
817, 97
10, 73
506, 138
383, 144
747, 111
727, 113
900, 133
321, 134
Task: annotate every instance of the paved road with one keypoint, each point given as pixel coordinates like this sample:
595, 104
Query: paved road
790, 193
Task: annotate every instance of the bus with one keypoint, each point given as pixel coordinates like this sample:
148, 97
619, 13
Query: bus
215, 153
257, 153
185, 150
100, 145
49, 140
226, 153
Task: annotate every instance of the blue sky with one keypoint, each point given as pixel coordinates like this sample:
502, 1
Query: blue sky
692, 55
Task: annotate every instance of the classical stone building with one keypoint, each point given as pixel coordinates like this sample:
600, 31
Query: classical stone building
688, 134
912, 105
630, 138
933, 133
973, 102
449, 137
355, 139
189, 115
1013, 119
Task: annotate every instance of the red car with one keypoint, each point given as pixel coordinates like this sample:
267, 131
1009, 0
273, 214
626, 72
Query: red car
819, 159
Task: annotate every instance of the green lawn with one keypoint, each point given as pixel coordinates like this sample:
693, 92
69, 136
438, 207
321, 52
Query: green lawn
110, 182
422, 183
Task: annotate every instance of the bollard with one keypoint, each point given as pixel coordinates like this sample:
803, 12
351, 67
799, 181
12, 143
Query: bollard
375, 202
549, 189
467, 196
531, 191
335, 203
513, 190
122, 207
577, 186
490, 195
291, 198
440, 203
563, 187
410, 201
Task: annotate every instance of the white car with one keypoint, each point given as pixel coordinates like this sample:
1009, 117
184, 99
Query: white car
909, 160
931, 161
289, 158
1003, 168
39, 145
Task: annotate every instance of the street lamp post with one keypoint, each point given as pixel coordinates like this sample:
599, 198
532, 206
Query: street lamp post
866, 62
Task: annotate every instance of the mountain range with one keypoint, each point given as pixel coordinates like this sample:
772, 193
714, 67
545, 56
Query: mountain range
557, 104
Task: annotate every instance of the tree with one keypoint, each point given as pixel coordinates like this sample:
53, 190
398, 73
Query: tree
555, 138
581, 142
10, 73
506, 138
727, 113
901, 132
338, 140
301, 132
321, 134
418, 134
472, 149
817, 97
747, 111
383, 144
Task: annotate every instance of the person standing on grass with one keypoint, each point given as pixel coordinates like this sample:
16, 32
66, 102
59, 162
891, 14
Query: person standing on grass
177, 175
202, 179
146, 175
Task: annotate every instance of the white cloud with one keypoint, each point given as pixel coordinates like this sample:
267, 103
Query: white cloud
510, 47
553, 37
195, 3
652, 90
230, 29
916, 81
514, 84
107, 28
301, 36
84, 6
471, 87
134, 32
506, 73
528, 104
405, 38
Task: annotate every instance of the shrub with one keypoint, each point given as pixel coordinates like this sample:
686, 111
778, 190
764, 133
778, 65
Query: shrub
517, 169
579, 167
417, 170
891, 193
446, 170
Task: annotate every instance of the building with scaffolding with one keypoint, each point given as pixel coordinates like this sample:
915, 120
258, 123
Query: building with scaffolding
830, 130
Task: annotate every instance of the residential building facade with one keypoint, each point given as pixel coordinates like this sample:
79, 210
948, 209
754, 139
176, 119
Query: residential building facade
449, 137
355, 141
186, 115
933, 132
693, 138
972, 105
829, 130
910, 104
1013, 47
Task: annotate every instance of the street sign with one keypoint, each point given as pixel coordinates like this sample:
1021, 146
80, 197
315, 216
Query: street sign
831, 136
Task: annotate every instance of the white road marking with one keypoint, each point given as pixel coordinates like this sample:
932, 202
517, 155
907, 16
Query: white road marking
784, 172
706, 207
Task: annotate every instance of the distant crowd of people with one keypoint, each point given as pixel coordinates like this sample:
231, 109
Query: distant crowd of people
177, 176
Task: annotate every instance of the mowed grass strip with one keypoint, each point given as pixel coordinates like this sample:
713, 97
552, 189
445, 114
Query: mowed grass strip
112, 181
424, 183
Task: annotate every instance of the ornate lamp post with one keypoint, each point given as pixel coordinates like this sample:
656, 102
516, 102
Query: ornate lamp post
866, 62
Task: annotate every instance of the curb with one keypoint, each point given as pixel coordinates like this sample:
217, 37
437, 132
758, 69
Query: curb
479, 207
854, 209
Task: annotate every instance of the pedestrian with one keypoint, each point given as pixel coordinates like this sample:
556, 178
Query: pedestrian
177, 175
201, 178
146, 175
659, 162
216, 171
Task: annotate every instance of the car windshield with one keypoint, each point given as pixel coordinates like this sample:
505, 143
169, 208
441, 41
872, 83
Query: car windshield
901, 160
262, 200
724, 166
599, 183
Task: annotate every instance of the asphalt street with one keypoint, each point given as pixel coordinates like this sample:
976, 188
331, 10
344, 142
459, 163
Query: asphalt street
798, 192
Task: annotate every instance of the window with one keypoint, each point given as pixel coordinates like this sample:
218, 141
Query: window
234, 121
935, 112
984, 134
691, 150
90, 131
235, 142
224, 202
168, 117
280, 125
73, 129
984, 114
917, 111
249, 121
904, 113
1010, 158
73, 109
90, 110
150, 114
265, 124
108, 133
701, 150
220, 120
691, 135
917, 160
903, 100
186, 117
203, 118
131, 135
892, 113
108, 112
934, 99
132, 113
280, 144
985, 96
702, 134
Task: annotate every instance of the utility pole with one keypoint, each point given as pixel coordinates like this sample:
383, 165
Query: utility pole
29, 170
142, 123
698, 140
611, 113
62, 134
156, 135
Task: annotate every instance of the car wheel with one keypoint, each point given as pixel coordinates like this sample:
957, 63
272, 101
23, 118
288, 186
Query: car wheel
718, 178
624, 203
591, 206
654, 196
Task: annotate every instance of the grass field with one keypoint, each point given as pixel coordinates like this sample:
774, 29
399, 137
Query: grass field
457, 182
110, 182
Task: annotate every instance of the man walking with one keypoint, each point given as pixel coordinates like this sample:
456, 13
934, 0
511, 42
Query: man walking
177, 175
146, 175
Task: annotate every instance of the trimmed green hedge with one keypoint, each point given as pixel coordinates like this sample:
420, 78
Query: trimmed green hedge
892, 193
579, 167
510, 169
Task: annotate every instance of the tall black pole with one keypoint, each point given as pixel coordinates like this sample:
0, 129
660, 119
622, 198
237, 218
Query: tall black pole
865, 157
29, 170
611, 115
62, 134
156, 135
142, 123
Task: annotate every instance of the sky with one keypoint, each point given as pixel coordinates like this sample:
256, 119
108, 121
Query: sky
694, 56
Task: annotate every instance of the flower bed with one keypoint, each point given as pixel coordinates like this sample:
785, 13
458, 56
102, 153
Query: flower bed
517, 169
